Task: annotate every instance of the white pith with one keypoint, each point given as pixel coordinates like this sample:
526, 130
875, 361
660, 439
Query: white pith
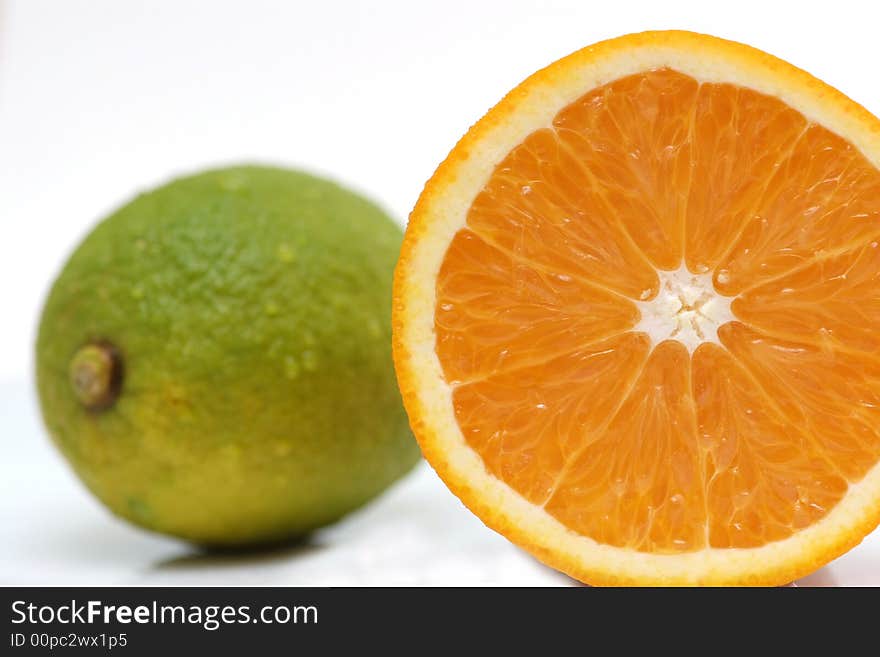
462, 467
686, 308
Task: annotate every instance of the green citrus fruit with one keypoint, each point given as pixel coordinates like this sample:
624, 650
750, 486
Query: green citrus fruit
215, 358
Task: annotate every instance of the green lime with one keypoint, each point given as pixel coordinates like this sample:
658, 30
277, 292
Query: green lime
214, 360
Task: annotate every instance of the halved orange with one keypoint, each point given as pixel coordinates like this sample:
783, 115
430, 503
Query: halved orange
637, 316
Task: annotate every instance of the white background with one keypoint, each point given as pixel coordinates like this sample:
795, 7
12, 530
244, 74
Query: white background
99, 99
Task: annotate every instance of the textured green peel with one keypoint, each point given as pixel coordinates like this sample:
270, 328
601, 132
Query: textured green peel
252, 306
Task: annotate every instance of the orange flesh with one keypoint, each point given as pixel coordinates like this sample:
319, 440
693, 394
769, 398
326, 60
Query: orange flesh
647, 446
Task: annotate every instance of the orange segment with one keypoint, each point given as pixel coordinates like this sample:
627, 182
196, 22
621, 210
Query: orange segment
764, 478
832, 397
823, 199
541, 205
633, 137
526, 425
833, 303
637, 316
640, 484
496, 313
739, 138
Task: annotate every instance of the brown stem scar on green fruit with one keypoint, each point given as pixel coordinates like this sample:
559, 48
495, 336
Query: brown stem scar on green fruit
96, 375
